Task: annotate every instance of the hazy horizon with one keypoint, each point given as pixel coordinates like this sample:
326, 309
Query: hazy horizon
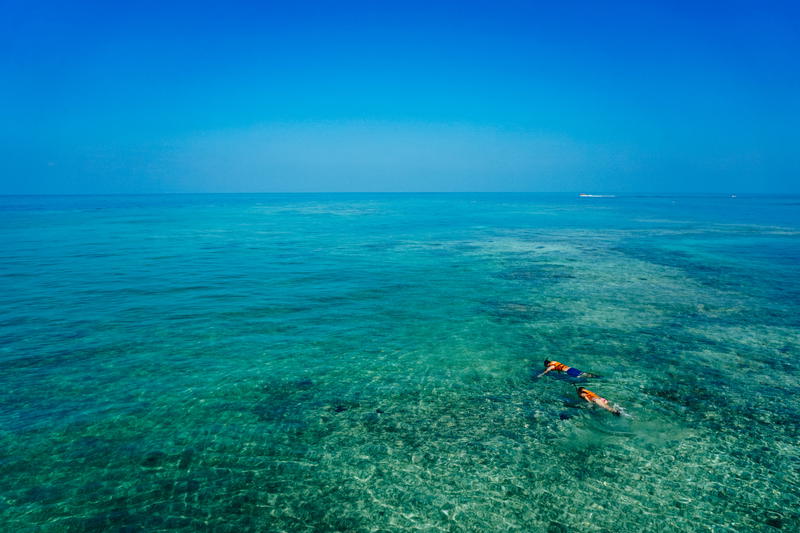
608, 194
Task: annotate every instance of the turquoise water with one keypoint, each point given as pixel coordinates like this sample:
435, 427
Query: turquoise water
367, 362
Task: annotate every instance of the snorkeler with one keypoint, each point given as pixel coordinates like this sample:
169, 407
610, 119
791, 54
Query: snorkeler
561, 367
591, 397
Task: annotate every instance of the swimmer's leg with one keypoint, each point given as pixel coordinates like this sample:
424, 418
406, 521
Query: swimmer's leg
574, 373
619, 411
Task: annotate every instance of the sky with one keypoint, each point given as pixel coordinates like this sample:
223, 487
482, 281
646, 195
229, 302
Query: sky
399, 96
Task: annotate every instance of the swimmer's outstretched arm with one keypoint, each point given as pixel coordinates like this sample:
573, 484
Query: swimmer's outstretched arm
546, 370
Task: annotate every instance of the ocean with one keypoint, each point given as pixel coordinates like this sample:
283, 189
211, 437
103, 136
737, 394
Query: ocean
368, 362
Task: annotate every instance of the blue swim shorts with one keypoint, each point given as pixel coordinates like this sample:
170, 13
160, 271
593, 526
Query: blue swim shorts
574, 372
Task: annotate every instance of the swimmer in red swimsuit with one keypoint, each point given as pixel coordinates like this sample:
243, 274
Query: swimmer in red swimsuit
591, 397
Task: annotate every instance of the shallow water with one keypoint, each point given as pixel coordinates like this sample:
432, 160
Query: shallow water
367, 363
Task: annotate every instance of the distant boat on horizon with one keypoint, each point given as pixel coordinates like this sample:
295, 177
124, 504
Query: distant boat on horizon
584, 195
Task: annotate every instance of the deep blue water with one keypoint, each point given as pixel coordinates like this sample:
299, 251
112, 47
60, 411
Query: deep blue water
366, 363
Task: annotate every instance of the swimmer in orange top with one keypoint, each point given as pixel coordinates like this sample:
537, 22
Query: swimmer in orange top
591, 397
561, 367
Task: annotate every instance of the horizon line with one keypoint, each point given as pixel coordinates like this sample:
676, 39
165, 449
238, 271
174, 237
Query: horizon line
621, 194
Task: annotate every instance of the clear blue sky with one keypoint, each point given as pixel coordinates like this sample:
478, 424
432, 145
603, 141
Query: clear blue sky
107, 97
